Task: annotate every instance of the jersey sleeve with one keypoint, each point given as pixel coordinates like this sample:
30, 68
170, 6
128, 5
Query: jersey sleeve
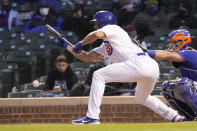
187, 55
101, 50
109, 31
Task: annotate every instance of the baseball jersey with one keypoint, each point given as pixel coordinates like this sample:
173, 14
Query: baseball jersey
117, 45
188, 68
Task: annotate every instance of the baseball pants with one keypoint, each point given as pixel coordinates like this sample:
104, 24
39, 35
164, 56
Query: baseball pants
141, 69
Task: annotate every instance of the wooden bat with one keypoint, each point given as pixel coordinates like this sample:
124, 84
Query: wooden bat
56, 34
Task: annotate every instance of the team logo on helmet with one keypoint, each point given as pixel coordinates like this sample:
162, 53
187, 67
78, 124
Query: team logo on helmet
108, 47
179, 39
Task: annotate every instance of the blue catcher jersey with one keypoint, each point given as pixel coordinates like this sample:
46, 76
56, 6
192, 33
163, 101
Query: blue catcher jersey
187, 68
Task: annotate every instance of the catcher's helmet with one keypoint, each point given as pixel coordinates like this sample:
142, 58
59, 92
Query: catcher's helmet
104, 18
179, 39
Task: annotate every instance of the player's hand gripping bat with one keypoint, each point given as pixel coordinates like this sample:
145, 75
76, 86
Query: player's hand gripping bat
56, 34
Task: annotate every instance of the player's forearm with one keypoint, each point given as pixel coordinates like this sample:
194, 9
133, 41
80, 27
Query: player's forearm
158, 54
91, 37
162, 55
83, 56
165, 55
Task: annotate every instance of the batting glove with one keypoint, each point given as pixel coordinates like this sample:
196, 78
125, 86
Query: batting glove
77, 47
61, 43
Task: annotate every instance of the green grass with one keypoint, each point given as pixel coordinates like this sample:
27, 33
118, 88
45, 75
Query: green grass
182, 126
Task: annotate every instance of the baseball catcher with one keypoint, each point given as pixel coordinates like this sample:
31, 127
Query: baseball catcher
182, 94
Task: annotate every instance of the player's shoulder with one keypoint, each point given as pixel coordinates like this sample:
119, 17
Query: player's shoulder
189, 54
111, 27
188, 51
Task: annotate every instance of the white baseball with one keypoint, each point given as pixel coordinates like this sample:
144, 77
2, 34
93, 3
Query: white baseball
35, 83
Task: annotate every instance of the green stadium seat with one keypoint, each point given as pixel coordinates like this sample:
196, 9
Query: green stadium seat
168, 70
2, 56
8, 66
36, 49
168, 76
82, 65
18, 42
81, 73
158, 84
20, 56
163, 32
21, 95
156, 42
50, 94
91, 7
165, 64
46, 41
156, 92
26, 64
105, 4
29, 87
71, 36
66, 7
34, 35
18, 29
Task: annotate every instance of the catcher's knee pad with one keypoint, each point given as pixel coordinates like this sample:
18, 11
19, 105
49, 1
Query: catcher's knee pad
168, 89
181, 93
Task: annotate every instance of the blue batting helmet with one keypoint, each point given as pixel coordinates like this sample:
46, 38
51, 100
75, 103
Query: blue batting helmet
104, 18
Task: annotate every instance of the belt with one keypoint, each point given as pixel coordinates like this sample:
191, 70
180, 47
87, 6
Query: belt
139, 54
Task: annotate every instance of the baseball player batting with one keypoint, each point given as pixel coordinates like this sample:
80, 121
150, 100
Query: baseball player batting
130, 64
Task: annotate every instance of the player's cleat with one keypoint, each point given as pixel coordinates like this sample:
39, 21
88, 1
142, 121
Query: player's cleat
86, 120
178, 118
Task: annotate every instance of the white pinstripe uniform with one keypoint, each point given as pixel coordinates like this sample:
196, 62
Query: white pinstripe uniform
127, 67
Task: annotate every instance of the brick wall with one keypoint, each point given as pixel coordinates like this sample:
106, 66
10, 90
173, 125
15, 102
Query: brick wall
64, 110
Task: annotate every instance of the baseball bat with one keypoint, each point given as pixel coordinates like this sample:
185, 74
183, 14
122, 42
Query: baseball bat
56, 34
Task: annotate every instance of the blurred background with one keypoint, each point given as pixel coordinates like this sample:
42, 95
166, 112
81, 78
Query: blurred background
27, 53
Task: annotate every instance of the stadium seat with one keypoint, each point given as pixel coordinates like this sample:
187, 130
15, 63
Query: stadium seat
163, 45
20, 42
34, 35
155, 38
46, 41
156, 92
168, 70
163, 32
193, 32
66, 7
51, 94
20, 56
82, 65
2, 56
105, 4
90, 7
165, 64
81, 73
29, 87
8, 66
168, 76
18, 29
172, 77
6, 82
158, 84
36, 49
71, 36
156, 42
26, 64
22, 95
